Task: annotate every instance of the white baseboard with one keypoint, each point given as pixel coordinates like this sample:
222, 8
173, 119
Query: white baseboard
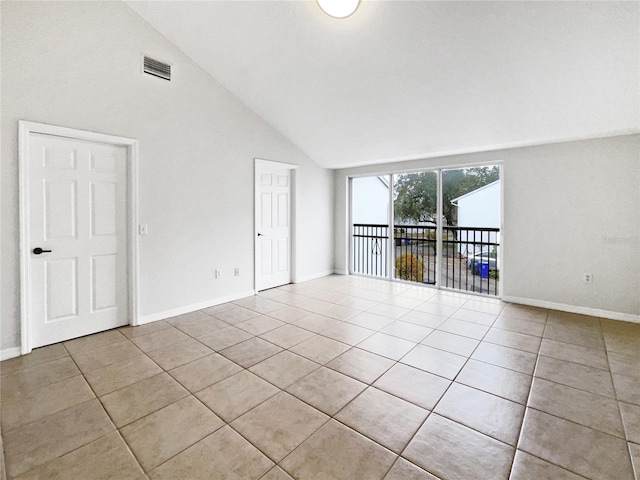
8, 353
341, 272
313, 276
594, 312
194, 307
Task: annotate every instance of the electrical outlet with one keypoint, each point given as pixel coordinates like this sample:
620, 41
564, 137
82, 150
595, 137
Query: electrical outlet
236, 272
218, 273
588, 278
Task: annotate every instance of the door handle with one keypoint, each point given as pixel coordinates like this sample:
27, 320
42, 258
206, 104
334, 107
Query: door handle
38, 251
260, 235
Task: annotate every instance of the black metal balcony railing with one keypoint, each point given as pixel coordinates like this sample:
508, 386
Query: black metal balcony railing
469, 260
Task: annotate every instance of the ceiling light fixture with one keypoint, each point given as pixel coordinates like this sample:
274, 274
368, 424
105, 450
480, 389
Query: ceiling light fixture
338, 8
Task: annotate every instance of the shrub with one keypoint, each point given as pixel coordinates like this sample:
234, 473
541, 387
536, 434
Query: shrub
409, 267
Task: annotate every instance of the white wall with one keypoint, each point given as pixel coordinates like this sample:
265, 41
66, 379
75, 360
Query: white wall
481, 207
77, 64
576, 204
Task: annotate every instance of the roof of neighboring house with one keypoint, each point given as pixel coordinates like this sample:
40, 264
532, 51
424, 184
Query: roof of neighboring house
472, 192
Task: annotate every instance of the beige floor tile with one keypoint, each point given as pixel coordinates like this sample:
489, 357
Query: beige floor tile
153, 438
486, 413
259, 325
359, 303
279, 425
574, 353
348, 333
482, 305
627, 388
518, 360
276, 473
289, 314
39, 376
361, 365
317, 323
473, 316
387, 346
103, 356
37, 356
623, 342
327, 390
575, 375
141, 330
569, 319
370, 320
135, 401
466, 329
634, 451
284, 368
201, 373
625, 364
119, 375
320, 349
235, 315
520, 326
435, 361
103, 459
499, 381
190, 318
204, 326
436, 309
407, 331
250, 352
594, 411
38, 442
91, 342
219, 308
414, 385
223, 454
224, 338
423, 319
528, 467
519, 341
403, 470
384, 418
177, 354
159, 339
631, 420
391, 311
574, 335
287, 336
40, 402
524, 312
580, 449
338, 453
451, 343
452, 451
258, 304
404, 302
236, 395
339, 312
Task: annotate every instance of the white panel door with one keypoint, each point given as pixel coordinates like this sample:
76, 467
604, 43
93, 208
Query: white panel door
77, 216
273, 224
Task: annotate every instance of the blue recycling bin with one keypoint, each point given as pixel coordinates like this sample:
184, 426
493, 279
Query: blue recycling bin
484, 270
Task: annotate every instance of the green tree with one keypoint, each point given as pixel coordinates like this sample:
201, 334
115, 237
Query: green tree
416, 193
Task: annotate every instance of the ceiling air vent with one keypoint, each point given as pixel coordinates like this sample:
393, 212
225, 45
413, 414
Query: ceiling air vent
156, 68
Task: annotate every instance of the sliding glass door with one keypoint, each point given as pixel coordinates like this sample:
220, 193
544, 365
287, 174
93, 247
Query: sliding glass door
434, 227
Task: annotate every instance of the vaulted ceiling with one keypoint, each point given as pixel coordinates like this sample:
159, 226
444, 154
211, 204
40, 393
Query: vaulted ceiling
412, 79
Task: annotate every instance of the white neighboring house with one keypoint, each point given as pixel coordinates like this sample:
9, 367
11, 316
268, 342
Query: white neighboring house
479, 208
370, 205
370, 200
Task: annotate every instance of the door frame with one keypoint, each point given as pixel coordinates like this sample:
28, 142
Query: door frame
26, 128
293, 225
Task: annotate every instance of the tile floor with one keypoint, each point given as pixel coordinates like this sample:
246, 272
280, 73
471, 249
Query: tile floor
336, 378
